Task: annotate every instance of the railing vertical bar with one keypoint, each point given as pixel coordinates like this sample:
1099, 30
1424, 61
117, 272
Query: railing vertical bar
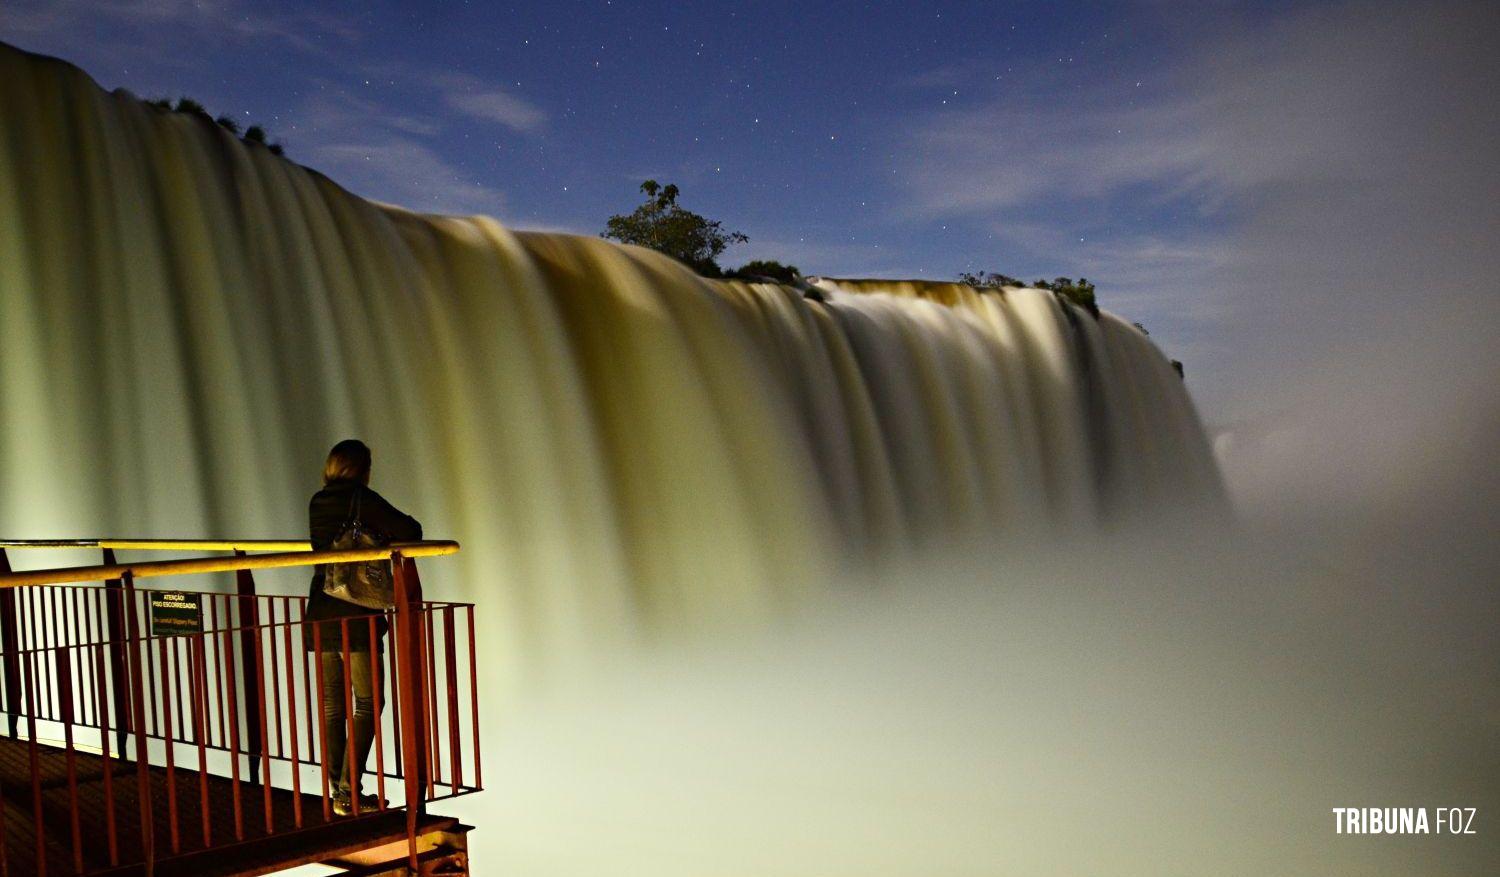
164, 644
376, 683
177, 693
350, 745
213, 611
322, 714
408, 639
11, 645
54, 636
33, 640
102, 696
249, 620
92, 634
291, 715
307, 687
450, 659
75, 673
76, 617
275, 675
474, 695
86, 620
26, 619
143, 600
138, 708
36, 769
199, 682
424, 693
114, 606
263, 738
4, 852
232, 697
429, 664
65, 706
396, 709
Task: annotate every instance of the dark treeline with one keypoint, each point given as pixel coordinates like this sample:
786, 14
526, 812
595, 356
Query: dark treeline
255, 134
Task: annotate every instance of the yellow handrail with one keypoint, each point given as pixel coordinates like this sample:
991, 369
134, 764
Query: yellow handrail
165, 544
157, 568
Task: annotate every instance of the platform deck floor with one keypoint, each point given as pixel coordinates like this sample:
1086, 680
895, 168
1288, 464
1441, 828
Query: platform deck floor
224, 850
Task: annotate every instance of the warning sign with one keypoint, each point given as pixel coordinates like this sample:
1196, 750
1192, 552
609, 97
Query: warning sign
173, 613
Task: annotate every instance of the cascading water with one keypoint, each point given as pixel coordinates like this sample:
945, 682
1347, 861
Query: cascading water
187, 323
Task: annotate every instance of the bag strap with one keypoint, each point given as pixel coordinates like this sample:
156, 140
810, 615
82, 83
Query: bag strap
352, 519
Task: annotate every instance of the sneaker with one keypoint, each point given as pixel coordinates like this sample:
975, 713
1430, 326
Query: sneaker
343, 806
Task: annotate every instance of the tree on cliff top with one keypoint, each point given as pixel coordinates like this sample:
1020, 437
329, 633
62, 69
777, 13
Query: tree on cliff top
254, 134
663, 225
757, 269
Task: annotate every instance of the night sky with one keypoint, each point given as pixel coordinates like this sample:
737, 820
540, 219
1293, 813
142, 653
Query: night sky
1197, 161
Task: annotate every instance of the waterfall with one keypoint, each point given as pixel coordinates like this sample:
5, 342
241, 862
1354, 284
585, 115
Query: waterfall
188, 323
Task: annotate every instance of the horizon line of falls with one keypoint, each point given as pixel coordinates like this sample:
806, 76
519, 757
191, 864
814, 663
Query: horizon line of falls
187, 324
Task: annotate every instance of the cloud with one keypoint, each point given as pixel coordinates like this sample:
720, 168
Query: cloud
405, 172
304, 29
485, 101
333, 107
385, 155
1290, 197
1018, 151
386, 150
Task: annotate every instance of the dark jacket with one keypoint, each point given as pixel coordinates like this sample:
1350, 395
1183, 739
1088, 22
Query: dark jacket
327, 514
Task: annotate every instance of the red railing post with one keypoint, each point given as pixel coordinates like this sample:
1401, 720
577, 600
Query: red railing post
199, 685
351, 735
317, 629
474, 700
4, 856
261, 736
249, 621
163, 643
433, 764
101, 697
376, 683
232, 698
138, 708
291, 713
116, 605
450, 661
408, 663
63, 657
34, 762
10, 643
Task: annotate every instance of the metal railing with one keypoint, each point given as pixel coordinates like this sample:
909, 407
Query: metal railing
238, 699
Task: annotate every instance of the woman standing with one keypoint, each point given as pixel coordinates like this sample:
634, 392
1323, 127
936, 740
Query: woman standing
346, 480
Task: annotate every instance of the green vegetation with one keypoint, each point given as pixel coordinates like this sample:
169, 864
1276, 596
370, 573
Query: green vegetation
257, 134
665, 226
254, 134
1080, 292
988, 279
188, 105
661, 224
761, 269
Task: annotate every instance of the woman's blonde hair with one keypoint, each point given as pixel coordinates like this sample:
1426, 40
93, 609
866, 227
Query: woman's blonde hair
348, 461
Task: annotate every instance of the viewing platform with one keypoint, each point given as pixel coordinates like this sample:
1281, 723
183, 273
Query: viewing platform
156, 731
